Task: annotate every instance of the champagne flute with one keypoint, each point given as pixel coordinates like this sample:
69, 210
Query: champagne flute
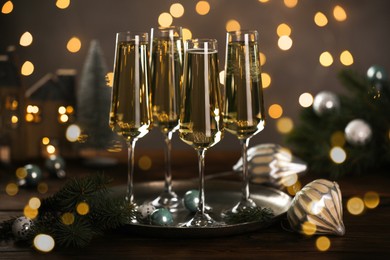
130, 114
166, 79
244, 106
201, 123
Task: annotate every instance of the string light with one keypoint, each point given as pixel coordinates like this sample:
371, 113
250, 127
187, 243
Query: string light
11, 189
263, 58
202, 7
26, 39
27, 68
326, 59
7, 7
338, 155
73, 45
42, 188
346, 58
165, 20
290, 3
371, 199
320, 19
306, 99
44, 243
355, 206
339, 13
283, 29
176, 10
187, 34
323, 243
73, 133
265, 79
285, 42
275, 111
63, 4
145, 163
233, 25
284, 125
82, 208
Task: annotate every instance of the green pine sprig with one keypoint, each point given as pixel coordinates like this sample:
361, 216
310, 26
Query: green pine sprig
255, 214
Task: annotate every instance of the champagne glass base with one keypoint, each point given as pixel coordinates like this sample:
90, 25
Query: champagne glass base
240, 206
168, 200
201, 220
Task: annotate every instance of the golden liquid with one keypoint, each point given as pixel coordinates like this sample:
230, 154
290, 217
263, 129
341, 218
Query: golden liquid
166, 71
244, 105
130, 114
200, 119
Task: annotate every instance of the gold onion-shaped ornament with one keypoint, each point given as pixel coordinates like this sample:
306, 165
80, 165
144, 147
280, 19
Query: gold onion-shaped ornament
272, 164
317, 209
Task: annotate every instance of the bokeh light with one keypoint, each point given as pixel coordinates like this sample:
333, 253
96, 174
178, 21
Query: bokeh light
187, 34
275, 111
82, 208
44, 243
63, 4
34, 203
337, 154
289, 180
265, 79
11, 189
263, 58
145, 163
176, 10
73, 133
337, 139
339, 13
309, 228
30, 212
284, 125
42, 188
320, 19
233, 25
355, 206
50, 149
61, 110
283, 29
45, 140
165, 19
63, 118
27, 68
371, 199
346, 58
306, 99
222, 77
323, 243
110, 79
21, 173
7, 7
26, 39
73, 45
285, 42
67, 218
293, 189
263, 1
326, 59
202, 7
14, 119
290, 3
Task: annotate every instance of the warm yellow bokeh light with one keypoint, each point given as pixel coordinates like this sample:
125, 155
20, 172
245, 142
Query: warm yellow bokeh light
14, 119
7, 7
67, 218
289, 180
232, 25
346, 58
283, 29
73, 45
337, 139
187, 34
26, 39
326, 59
202, 7
34, 203
320, 19
30, 212
323, 243
44, 243
145, 163
42, 188
263, 1
50, 149
63, 4
69, 109
371, 199
73, 133
21, 173
339, 13
45, 140
176, 10
293, 189
284, 125
275, 111
263, 58
165, 19
61, 110
29, 117
64, 118
27, 68
265, 79
82, 208
11, 189
306, 99
309, 228
290, 3
285, 42
337, 154
355, 206
110, 79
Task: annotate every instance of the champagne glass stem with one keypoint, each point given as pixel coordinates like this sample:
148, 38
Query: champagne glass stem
245, 177
201, 163
130, 171
168, 173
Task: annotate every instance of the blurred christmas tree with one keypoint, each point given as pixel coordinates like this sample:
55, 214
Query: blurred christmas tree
94, 100
347, 133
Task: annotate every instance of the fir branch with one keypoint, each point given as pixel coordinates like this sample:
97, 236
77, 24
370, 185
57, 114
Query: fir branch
256, 214
6, 229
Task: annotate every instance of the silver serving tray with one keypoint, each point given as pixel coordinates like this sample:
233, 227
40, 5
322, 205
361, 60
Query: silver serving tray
220, 196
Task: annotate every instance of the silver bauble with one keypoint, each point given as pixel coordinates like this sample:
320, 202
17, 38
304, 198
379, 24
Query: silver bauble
272, 164
21, 228
358, 132
325, 102
319, 206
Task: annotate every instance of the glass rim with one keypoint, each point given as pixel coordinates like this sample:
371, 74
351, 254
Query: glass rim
132, 33
201, 40
244, 31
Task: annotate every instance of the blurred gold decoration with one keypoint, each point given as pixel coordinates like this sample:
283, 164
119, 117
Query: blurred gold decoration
272, 164
317, 209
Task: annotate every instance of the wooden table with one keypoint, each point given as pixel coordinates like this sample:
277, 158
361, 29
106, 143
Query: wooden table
367, 235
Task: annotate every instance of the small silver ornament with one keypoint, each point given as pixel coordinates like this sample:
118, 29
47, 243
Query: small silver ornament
317, 209
272, 164
358, 132
325, 102
146, 210
21, 228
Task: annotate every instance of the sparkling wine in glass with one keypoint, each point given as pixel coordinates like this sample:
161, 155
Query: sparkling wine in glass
166, 80
243, 106
201, 123
130, 114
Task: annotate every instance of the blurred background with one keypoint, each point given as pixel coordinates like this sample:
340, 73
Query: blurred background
44, 46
